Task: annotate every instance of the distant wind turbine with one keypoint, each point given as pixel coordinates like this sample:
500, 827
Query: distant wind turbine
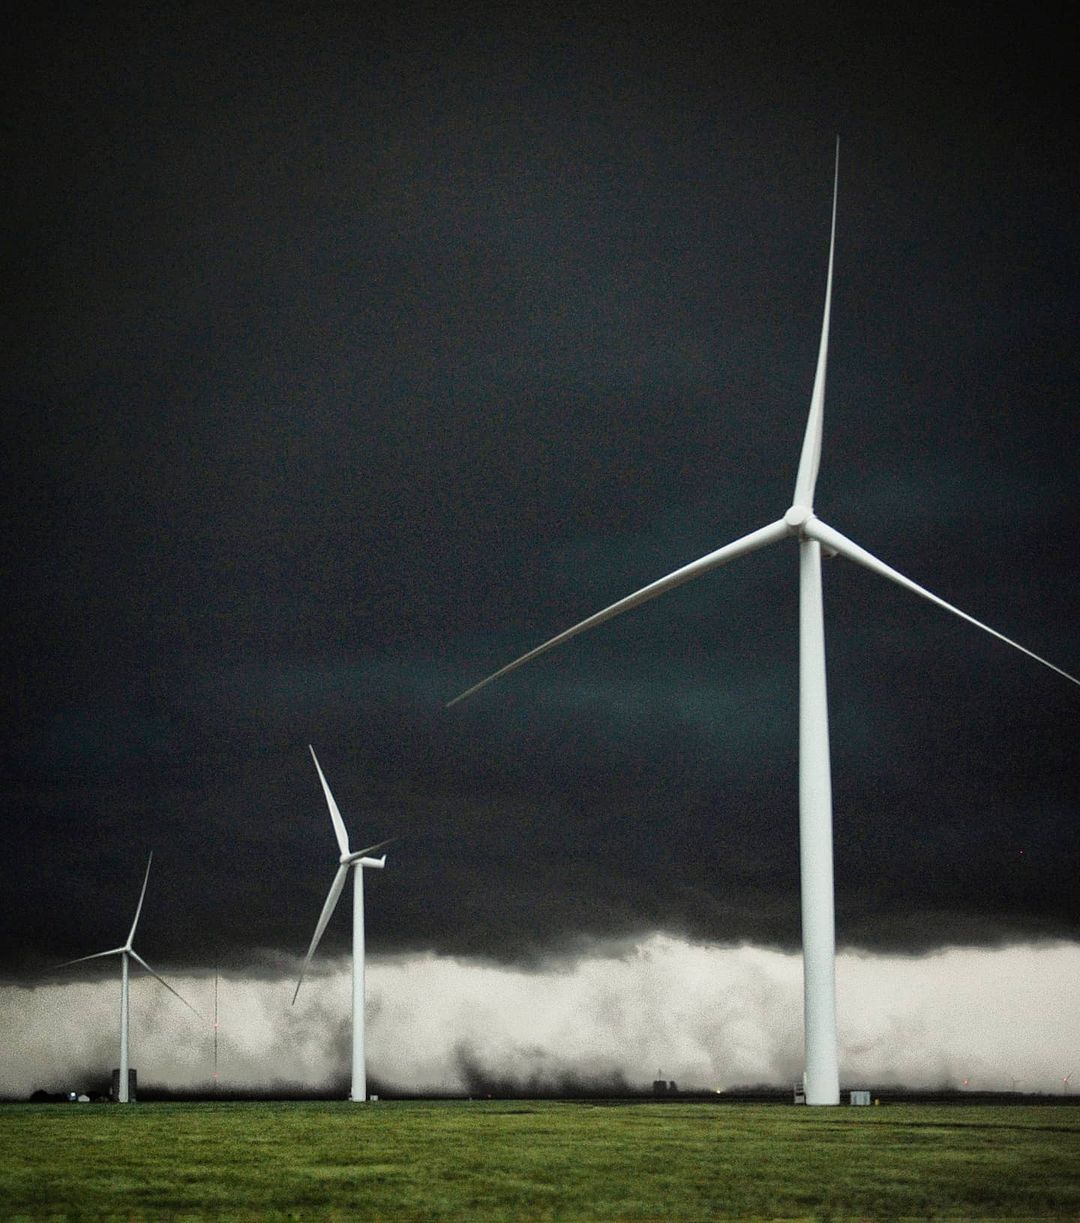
125, 952
347, 861
815, 785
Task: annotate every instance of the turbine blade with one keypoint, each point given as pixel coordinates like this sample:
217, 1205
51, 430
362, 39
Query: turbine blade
96, 956
363, 853
142, 896
748, 543
157, 977
831, 538
324, 917
335, 814
810, 458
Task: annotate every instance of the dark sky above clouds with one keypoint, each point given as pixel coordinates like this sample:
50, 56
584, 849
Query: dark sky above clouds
349, 356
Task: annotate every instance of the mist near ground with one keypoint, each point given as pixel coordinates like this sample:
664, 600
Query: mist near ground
708, 1017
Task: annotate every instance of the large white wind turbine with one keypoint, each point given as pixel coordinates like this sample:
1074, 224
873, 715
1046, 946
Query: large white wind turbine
815, 786
348, 861
126, 952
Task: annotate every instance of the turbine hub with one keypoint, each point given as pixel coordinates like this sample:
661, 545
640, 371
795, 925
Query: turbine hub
796, 518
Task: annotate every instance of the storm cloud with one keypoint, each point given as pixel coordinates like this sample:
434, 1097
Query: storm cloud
352, 356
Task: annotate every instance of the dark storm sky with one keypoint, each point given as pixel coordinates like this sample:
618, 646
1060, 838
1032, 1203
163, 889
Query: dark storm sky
350, 356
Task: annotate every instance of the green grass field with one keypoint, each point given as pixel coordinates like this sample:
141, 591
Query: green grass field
501, 1160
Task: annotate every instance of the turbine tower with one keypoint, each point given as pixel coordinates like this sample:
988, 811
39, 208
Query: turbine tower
800, 523
126, 952
348, 861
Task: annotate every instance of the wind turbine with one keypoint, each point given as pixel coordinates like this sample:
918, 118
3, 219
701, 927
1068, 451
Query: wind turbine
126, 952
348, 861
815, 784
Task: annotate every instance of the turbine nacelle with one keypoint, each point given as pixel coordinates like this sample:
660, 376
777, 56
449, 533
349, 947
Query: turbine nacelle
363, 858
796, 519
799, 520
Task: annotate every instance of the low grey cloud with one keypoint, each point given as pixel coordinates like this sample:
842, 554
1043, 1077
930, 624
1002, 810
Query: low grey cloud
709, 1017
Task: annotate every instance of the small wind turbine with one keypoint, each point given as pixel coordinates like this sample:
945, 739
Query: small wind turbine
347, 861
815, 783
125, 952
1065, 1082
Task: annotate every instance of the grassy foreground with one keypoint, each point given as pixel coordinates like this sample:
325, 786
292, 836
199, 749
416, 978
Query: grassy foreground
503, 1160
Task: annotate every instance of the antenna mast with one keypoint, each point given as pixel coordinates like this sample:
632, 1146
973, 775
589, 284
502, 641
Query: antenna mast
215, 1031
